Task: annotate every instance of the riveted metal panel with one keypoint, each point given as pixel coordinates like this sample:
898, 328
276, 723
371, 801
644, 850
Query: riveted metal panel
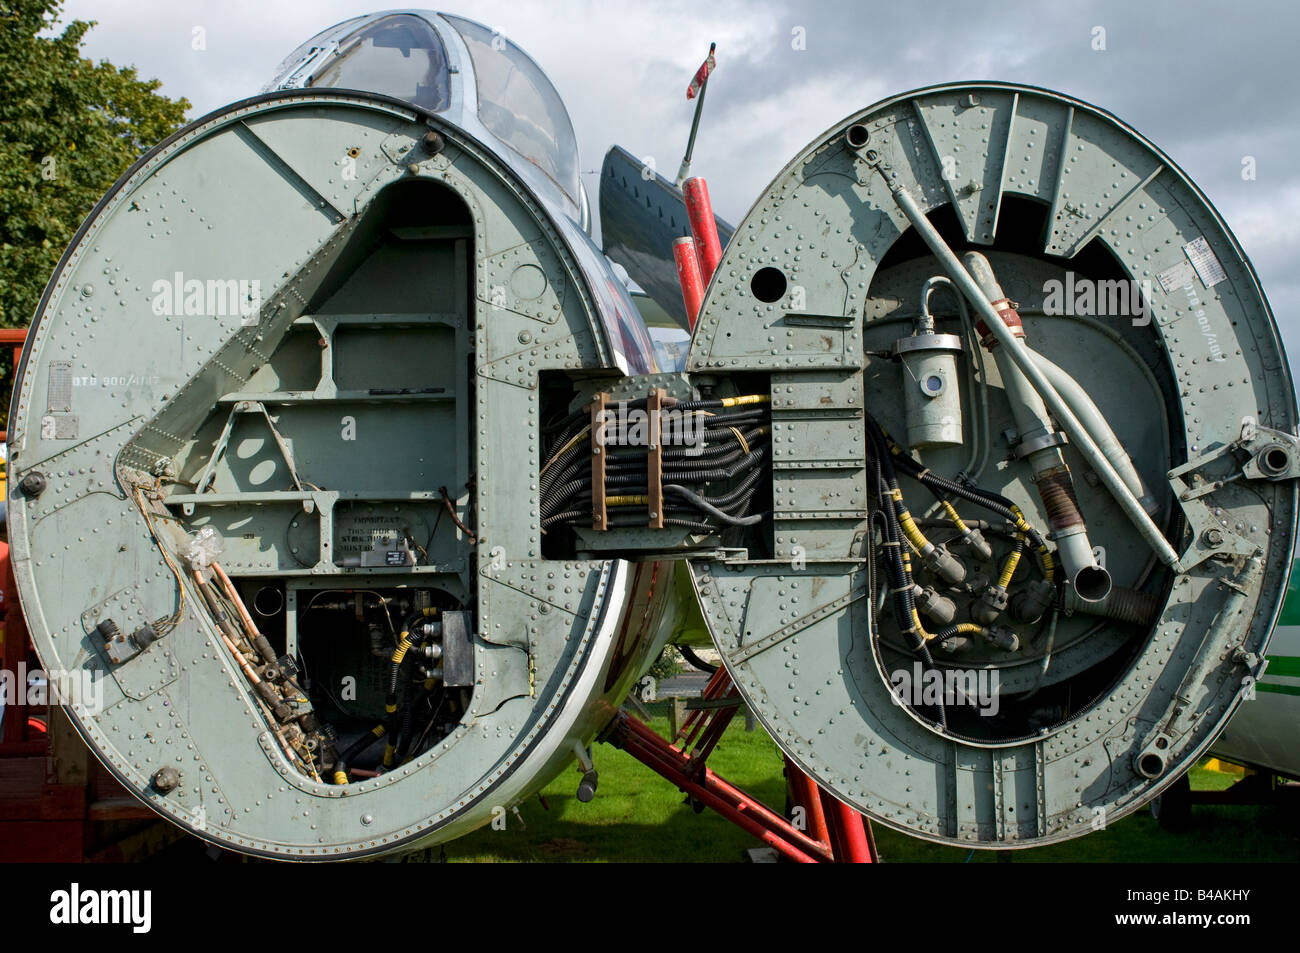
1189, 380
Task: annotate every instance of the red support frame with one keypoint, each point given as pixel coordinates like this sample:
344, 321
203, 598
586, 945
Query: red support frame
19, 737
836, 833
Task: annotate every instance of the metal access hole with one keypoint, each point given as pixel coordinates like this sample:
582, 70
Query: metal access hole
1151, 765
1276, 460
768, 284
857, 136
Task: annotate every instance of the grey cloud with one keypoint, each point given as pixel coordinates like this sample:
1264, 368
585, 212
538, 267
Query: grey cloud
1207, 82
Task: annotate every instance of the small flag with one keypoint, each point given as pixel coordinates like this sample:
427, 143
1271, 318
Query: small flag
702, 74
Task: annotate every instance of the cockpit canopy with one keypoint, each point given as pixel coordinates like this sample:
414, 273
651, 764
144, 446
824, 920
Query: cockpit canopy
518, 103
403, 56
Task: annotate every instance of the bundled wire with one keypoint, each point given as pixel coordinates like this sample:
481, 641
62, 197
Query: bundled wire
164, 625
285, 703
708, 484
943, 489
896, 557
900, 535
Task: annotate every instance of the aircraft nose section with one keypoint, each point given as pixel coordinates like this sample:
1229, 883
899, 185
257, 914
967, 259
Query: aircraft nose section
296, 443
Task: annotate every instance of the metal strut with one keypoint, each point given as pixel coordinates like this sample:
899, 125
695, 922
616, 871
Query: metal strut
836, 833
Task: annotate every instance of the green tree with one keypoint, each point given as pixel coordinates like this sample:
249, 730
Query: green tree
69, 128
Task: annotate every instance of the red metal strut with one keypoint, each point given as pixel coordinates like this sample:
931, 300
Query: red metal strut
688, 274
836, 833
704, 227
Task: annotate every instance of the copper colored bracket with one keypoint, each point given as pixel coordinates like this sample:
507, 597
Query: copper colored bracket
654, 464
599, 518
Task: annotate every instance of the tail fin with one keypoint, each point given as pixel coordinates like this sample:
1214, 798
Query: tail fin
641, 212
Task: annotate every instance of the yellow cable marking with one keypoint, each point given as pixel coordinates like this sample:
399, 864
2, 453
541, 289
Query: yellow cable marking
1009, 568
953, 515
912, 531
1048, 564
559, 453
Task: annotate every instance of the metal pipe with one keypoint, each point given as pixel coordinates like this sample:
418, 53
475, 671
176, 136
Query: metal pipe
1040, 444
704, 227
1091, 417
808, 795
848, 831
1125, 605
688, 274
1020, 355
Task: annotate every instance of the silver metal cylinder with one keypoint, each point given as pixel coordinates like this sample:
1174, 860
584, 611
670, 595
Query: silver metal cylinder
931, 391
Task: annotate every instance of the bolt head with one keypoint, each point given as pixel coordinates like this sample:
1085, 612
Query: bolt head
33, 484
166, 780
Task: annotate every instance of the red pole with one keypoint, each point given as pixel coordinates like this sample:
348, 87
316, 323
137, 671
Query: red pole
848, 831
703, 225
688, 273
808, 796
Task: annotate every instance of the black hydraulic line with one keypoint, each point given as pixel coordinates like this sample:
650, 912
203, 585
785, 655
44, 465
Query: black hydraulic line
564, 430
392, 722
994, 502
562, 493
673, 515
902, 583
563, 471
744, 487
753, 459
718, 455
712, 510
705, 474
697, 404
990, 501
359, 747
560, 465
691, 524
689, 654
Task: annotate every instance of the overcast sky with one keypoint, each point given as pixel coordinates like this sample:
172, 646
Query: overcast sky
1210, 83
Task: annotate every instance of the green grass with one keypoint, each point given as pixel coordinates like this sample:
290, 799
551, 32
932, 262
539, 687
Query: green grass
636, 816
639, 817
